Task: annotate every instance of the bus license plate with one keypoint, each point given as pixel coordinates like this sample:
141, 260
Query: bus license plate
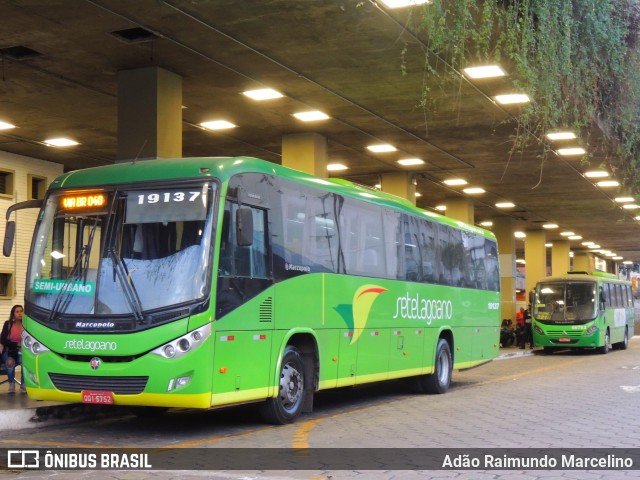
92, 396
564, 340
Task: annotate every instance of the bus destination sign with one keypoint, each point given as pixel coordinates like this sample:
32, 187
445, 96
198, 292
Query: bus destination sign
84, 202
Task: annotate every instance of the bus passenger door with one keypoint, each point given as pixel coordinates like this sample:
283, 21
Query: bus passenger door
244, 309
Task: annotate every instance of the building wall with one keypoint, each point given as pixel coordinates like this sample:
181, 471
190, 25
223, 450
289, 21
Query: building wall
21, 167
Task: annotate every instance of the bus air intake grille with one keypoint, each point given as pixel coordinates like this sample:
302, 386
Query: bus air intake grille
266, 310
567, 333
118, 385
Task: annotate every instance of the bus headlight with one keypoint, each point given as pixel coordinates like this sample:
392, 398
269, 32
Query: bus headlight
538, 330
33, 345
180, 346
591, 330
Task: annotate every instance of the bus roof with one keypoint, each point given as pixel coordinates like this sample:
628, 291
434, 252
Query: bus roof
584, 276
224, 168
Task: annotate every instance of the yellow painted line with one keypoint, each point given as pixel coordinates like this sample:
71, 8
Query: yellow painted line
301, 435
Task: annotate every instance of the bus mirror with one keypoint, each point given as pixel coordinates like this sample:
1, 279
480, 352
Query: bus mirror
9, 234
244, 227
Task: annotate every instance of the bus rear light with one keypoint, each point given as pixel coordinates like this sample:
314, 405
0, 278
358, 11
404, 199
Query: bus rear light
180, 346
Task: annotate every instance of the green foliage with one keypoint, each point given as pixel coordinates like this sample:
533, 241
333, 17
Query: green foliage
578, 61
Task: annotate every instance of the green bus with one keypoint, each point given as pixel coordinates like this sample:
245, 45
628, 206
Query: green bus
205, 282
578, 310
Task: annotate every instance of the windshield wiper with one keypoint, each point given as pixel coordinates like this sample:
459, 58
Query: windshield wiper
64, 297
129, 291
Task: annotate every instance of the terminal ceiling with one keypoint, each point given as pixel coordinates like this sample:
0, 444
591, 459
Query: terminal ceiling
360, 64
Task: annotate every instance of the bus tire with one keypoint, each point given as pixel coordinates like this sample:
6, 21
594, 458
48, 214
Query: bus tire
439, 381
149, 412
625, 341
287, 405
548, 350
604, 349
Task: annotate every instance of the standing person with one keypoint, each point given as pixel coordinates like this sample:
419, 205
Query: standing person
11, 338
521, 336
528, 332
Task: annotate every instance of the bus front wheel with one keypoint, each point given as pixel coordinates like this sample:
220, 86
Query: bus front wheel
607, 343
287, 405
440, 380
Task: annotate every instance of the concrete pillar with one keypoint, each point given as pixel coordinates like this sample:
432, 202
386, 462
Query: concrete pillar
560, 260
461, 209
399, 184
535, 257
583, 262
149, 114
503, 230
306, 152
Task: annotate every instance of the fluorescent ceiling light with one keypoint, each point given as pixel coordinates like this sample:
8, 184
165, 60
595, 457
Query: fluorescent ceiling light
567, 234
628, 262
588, 244
561, 136
403, 3
6, 126
441, 208
548, 245
454, 181
631, 206
263, 94
624, 199
418, 194
608, 183
512, 98
571, 151
335, 167
487, 223
505, 205
575, 237
473, 190
381, 148
60, 142
519, 234
521, 261
408, 162
311, 116
596, 174
217, 125
550, 225
487, 71
594, 246
618, 257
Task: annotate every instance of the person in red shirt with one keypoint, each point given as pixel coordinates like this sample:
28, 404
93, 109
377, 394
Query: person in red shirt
11, 339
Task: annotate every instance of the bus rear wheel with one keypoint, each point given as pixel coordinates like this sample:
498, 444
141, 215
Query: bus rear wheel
287, 405
625, 341
439, 381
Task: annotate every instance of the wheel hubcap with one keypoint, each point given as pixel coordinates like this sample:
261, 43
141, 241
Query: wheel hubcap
290, 386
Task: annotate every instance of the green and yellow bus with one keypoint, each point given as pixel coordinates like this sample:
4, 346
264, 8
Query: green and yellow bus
206, 282
578, 310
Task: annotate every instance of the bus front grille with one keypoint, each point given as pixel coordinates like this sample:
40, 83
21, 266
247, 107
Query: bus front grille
569, 333
118, 385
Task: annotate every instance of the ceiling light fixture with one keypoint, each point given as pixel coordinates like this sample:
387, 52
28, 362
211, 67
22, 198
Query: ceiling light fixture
505, 205
336, 167
454, 181
60, 142
608, 183
487, 71
624, 199
519, 234
441, 208
561, 136
217, 125
575, 237
381, 148
630, 206
263, 94
512, 98
567, 234
6, 126
409, 162
311, 116
550, 225
486, 223
548, 245
474, 190
403, 3
571, 151
596, 174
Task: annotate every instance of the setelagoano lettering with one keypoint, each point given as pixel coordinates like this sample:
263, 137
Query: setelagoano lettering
416, 308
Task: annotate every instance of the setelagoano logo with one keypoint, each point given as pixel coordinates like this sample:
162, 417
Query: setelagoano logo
416, 308
92, 346
356, 315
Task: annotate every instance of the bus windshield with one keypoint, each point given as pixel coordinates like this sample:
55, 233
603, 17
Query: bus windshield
565, 302
121, 252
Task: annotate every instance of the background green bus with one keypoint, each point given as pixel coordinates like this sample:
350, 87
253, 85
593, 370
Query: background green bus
216, 281
578, 310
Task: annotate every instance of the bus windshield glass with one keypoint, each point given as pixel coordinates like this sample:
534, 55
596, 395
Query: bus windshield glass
565, 302
121, 252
